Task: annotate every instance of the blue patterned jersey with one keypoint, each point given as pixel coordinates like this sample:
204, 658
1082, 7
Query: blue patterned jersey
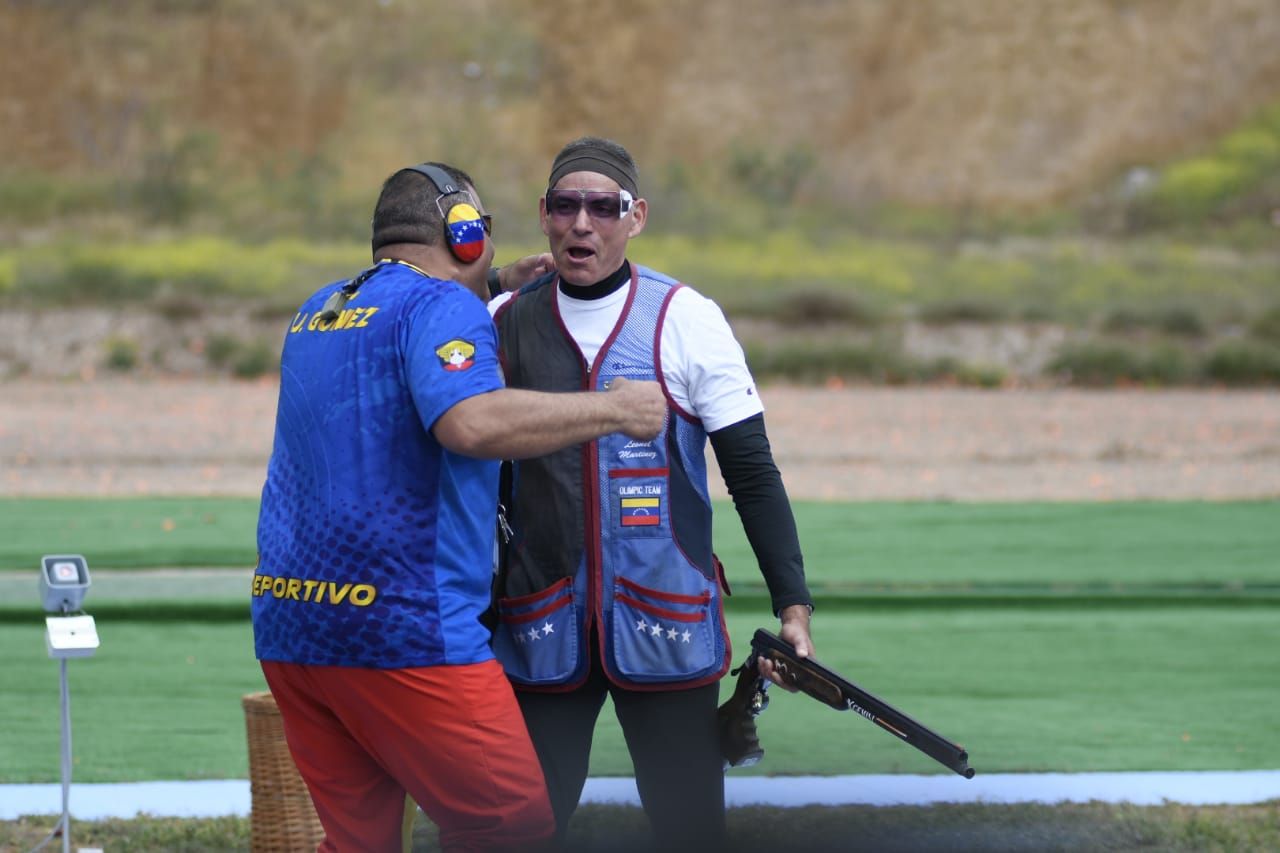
375, 542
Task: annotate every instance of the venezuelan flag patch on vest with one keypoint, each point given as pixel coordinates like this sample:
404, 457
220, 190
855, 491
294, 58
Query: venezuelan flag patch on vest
641, 512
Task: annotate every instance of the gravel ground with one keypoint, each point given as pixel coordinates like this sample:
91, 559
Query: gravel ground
202, 437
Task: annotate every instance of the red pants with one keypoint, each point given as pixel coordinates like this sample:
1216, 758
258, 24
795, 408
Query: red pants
452, 737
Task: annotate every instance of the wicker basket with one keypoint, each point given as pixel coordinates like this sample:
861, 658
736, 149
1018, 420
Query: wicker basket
283, 817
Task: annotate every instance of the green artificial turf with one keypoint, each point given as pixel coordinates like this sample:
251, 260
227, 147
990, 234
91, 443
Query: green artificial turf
1024, 689
158, 700
129, 532
1063, 546
1063, 637
858, 548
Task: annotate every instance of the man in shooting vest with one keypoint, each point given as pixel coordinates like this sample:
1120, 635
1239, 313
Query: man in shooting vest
609, 584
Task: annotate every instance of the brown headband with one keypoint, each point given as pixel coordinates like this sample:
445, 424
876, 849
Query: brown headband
592, 159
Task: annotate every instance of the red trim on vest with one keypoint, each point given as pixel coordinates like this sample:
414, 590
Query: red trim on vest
535, 597
657, 356
615, 473
516, 619
656, 610
664, 596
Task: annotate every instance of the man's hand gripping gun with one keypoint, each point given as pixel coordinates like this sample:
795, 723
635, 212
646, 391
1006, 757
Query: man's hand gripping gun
740, 743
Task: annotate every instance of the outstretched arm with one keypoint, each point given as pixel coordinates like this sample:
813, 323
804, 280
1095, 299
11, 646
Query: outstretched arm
515, 424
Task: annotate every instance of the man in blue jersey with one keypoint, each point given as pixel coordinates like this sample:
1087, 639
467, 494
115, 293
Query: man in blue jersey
376, 531
610, 587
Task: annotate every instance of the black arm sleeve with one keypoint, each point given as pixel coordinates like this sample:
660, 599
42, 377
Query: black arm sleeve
746, 461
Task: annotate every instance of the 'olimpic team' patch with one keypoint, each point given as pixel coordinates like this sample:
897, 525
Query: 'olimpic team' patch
457, 354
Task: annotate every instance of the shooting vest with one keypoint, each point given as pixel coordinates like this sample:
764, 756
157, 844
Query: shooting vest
614, 534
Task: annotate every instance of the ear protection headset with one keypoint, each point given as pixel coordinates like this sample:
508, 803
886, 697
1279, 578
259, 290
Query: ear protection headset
464, 227
464, 233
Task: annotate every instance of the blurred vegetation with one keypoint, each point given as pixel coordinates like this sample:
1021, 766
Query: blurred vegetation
249, 176
1236, 181
122, 354
1177, 288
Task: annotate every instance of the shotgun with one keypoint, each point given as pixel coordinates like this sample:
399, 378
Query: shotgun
740, 742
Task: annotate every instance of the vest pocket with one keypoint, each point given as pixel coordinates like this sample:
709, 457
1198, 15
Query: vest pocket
536, 638
660, 636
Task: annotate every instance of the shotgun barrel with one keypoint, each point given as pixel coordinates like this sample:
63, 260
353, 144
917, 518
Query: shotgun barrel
829, 687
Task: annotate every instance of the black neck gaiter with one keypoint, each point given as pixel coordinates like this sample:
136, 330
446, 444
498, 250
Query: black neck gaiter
601, 288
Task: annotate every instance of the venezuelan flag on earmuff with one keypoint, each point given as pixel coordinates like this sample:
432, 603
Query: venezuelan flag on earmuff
466, 233
463, 227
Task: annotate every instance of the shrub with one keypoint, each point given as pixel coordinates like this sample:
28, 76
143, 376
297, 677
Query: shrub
274, 309
254, 360
1255, 147
806, 362
220, 349
8, 272
1177, 320
949, 370
811, 307
1096, 363
1267, 326
961, 311
178, 308
185, 270
170, 188
94, 278
981, 375
29, 198
1035, 313
1182, 321
1220, 183
1121, 321
1102, 363
775, 180
1192, 189
1244, 362
1167, 364
122, 353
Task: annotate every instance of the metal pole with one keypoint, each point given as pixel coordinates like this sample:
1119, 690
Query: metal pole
66, 759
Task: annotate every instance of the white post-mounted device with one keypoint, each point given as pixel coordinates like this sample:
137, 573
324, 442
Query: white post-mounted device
64, 581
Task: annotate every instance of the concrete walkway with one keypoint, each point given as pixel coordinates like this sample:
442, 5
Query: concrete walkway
231, 797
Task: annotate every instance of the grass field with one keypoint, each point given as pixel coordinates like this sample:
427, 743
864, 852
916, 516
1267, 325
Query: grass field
849, 548
1024, 689
1043, 637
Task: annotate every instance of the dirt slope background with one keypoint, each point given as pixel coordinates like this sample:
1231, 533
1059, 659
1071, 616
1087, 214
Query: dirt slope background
173, 437
935, 101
